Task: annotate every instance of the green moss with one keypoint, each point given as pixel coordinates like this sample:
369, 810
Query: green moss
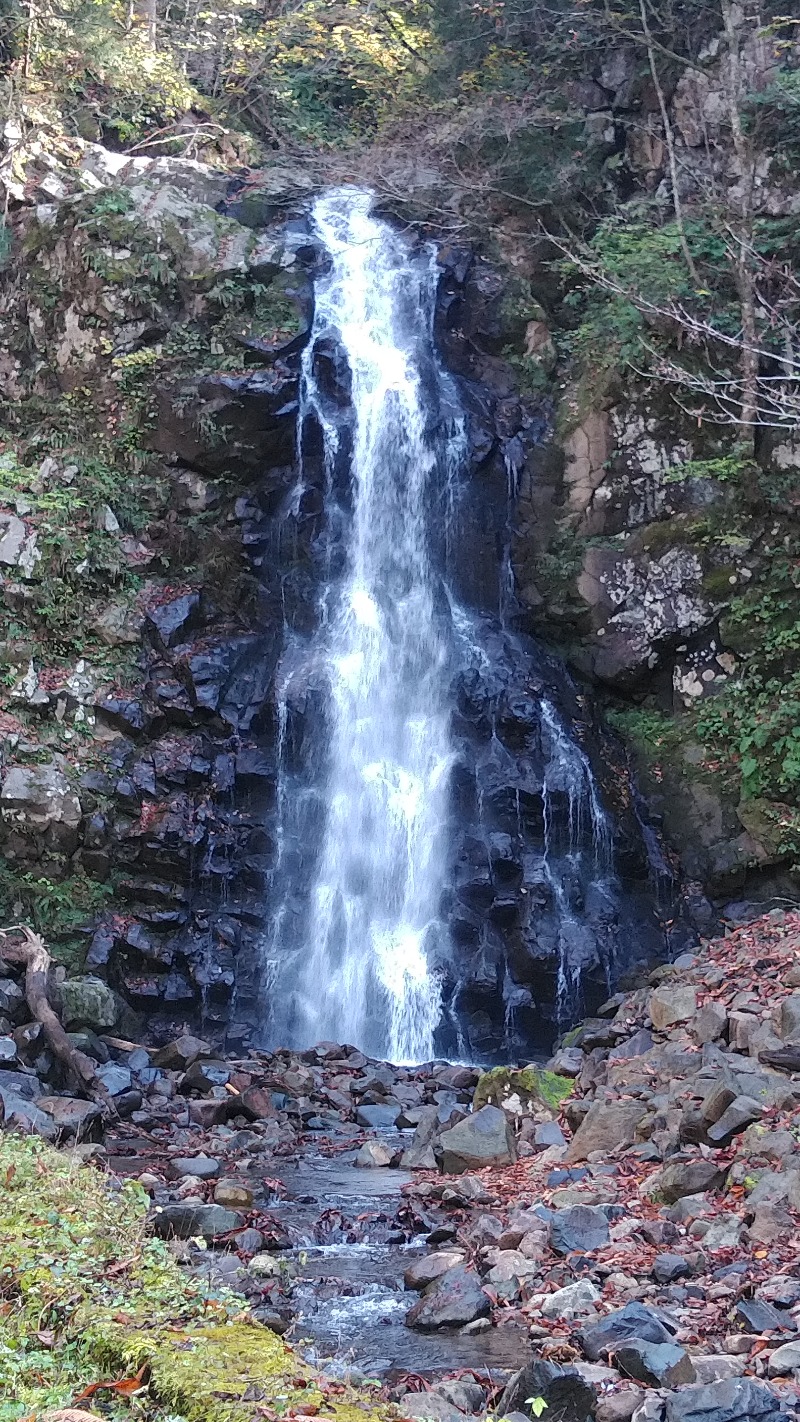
89, 1294
531, 1084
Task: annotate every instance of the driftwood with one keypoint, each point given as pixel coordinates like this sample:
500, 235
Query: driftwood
27, 948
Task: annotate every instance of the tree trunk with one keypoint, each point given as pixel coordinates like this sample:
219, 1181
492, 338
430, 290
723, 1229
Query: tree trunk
743, 235
80, 1070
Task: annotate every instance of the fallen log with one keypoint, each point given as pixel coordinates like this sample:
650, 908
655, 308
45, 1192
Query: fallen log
27, 948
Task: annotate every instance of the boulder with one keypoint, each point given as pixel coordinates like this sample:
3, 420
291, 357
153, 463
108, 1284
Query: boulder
685, 1177
186, 1218
424, 1271
71, 1116
657, 1364
419, 1155
741, 1113
451, 1301
735, 1400
671, 1004
484, 1138
233, 1195
569, 1397
669, 1267
22, 1115
581, 1229
632, 1321
88, 1002
572, 1301
379, 1117
373, 1154
179, 1054
785, 1359
605, 1127
202, 1167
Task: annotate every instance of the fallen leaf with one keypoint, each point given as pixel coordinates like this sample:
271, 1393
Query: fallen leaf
124, 1387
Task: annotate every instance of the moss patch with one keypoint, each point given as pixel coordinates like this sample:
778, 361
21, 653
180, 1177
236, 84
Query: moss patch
88, 1294
531, 1084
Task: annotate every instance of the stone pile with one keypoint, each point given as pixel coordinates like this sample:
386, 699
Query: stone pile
628, 1215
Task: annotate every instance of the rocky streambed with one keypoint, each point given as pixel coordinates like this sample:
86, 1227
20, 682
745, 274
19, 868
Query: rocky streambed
614, 1233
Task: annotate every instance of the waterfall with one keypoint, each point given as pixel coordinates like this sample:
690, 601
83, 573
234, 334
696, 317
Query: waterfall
357, 936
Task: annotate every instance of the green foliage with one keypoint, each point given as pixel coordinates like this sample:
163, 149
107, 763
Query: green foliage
57, 908
88, 1293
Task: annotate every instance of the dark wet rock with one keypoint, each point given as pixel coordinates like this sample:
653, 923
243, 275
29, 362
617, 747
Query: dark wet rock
203, 1076
668, 1267
419, 1155
657, 1364
568, 1396
450, 1302
756, 1316
484, 1138
174, 616
632, 1321
24, 1084
116, 1079
735, 1400
186, 1218
582, 1229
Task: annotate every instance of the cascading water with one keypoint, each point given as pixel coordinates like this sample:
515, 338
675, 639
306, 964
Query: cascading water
356, 961
444, 877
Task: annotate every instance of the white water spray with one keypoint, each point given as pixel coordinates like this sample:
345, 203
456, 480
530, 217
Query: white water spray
361, 968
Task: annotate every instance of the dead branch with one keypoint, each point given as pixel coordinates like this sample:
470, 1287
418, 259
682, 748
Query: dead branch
30, 951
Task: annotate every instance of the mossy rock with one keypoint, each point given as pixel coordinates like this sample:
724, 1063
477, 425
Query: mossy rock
531, 1085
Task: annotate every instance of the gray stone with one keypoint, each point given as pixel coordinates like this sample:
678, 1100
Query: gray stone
689, 1177
724, 1232
671, 1004
451, 1301
374, 1155
72, 1116
22, 1084
467, 1396
185, 1219
718, 1366
740, 1114
632, 1321
180, 1053
88, 1002
484, 1138
8, 1051
606, 1126
790, 1018
202, 1167
619, 1406
115, 1079
572, 1301
39, 801
582, 1228
756, 1316
668, 1267
785, 1359
710, 1023
22, 1115
736, 1400
378, 1117
548, 1133
424, 1271
657, 1364
419, 1155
